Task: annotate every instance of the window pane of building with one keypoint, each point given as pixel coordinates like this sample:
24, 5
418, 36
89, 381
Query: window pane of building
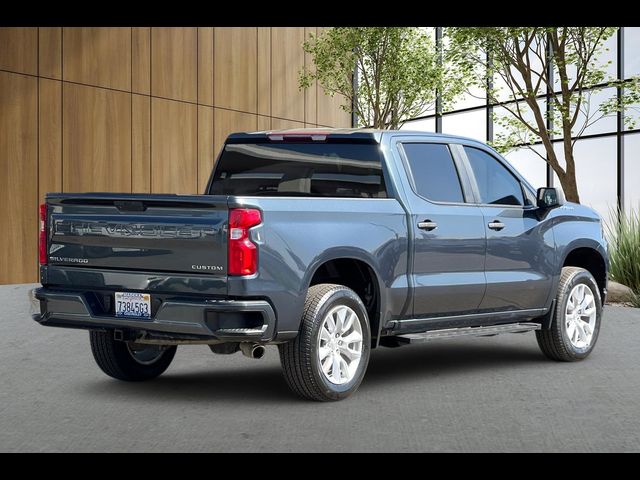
531, 166
590, 114
466, 124
632, 171
422, 125
500, 113
631, 49
433, 171
596, 172
474, 97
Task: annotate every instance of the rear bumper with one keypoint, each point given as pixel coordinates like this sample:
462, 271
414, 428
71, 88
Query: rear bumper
206, 319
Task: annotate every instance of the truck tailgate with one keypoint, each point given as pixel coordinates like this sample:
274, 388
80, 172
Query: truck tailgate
164, 233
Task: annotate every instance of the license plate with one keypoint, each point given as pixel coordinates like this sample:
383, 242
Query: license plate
136, 305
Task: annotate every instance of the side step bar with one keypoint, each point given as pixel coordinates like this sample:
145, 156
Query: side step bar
467, 332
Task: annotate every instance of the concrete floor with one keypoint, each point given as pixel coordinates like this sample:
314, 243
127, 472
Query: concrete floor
490, 394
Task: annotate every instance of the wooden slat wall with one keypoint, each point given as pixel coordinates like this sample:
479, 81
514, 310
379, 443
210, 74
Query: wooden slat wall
134, 109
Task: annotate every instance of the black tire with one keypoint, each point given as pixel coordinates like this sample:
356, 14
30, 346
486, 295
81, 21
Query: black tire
299, 357
115, 359
554, 341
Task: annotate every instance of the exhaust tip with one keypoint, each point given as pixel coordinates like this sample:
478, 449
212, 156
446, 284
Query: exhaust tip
257, 351
252, 350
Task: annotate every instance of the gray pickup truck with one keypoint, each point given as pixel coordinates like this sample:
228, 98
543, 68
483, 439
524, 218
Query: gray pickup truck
326, 243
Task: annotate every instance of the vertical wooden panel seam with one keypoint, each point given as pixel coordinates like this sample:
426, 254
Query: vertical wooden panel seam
131, 112
197, 103
62, 110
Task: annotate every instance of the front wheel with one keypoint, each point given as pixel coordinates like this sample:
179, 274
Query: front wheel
329, 357
129, 361
575, 324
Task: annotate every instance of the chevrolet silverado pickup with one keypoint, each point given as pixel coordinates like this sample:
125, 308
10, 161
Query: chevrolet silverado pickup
328, 244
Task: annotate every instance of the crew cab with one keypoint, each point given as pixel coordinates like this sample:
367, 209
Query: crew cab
327, 243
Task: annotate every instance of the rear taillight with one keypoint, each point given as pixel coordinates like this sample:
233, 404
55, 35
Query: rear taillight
243, 253
42, 243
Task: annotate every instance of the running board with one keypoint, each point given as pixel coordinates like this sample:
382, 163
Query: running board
467, 332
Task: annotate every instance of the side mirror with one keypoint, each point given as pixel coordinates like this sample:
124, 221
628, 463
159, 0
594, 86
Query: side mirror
549, 197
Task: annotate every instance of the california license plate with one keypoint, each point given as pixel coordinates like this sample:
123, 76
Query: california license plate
135, 305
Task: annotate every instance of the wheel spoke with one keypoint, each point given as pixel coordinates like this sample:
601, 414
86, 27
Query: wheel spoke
348, 322
586, 328
586, 301
339, 317
571, 330
335, 368
325, 335
353, 337
351, 353
330, 324
581, 335
326, 364
324, 353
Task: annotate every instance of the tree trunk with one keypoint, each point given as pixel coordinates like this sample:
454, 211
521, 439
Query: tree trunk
569, 186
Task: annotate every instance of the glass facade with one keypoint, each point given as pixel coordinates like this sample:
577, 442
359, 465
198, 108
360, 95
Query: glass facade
607, 154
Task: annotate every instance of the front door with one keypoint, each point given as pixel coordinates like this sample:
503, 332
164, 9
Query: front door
449, 235
520, 258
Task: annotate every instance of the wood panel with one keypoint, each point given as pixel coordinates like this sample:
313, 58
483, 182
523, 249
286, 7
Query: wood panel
97, 56
173, 147
229, 121
141, 60
205, 65
329, 112
287, 101
206, 153
49, 137
19, 178
264, 71
235, 78
281, 124
264, 123
311, 93
19, 49
174, 63
50, 52
140, 144
96, 140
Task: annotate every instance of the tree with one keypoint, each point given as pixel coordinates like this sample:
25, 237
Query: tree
397, 68
531, 61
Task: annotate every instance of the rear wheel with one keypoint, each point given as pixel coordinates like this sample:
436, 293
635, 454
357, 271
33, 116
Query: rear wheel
576, 320
129, 361
329, 357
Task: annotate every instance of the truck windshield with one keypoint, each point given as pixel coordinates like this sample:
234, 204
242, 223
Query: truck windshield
300, 169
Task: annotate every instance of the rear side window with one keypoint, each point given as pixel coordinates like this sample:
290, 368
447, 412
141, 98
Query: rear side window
434, 173
496, 184
300, 169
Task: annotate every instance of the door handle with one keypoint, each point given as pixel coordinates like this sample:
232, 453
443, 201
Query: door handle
427, 225
496, 225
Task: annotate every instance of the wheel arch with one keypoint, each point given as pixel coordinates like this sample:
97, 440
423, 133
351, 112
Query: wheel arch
354, 269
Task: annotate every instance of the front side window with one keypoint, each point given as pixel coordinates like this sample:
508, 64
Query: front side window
496, 184
434, 174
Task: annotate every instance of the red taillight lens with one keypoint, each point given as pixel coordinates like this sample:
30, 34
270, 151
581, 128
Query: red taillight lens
42, 243
243, 253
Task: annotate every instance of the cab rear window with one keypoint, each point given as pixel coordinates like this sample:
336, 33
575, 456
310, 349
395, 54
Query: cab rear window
300, 169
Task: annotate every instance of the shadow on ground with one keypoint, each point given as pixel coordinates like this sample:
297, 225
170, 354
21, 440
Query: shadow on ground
388, 368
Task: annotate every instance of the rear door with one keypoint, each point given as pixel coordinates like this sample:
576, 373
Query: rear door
448, 233
520, 260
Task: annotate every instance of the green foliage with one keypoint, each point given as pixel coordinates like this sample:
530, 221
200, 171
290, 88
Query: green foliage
397, 69
518, 62
623, 236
